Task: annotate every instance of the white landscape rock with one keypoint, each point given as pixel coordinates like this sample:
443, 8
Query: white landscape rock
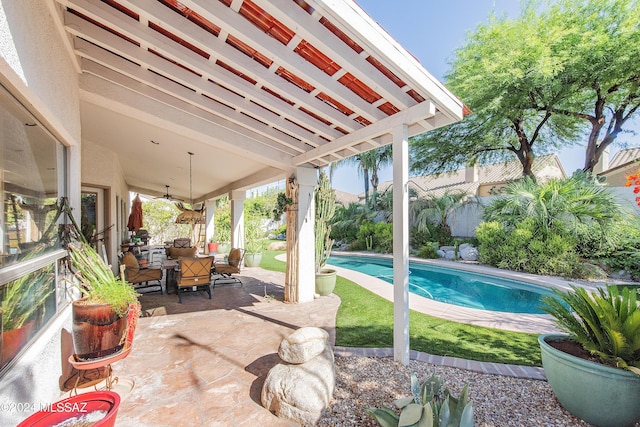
303, 345
468, 253
300, 392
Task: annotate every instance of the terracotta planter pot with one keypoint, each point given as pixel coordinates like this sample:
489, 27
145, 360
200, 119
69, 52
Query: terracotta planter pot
97, 330
601, 395
82, 407
325, 282
212, 247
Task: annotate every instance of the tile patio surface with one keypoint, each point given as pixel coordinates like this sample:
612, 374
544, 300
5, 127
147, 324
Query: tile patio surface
203, 362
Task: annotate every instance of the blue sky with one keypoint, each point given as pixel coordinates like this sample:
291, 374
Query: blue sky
431, 31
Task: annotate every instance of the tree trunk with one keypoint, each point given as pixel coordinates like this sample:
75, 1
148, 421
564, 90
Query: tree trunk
291, 290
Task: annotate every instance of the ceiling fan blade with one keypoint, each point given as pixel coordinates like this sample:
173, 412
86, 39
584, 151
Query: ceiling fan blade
169, 197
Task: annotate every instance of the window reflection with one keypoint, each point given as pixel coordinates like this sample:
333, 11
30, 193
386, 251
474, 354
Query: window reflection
27, 303
30, 163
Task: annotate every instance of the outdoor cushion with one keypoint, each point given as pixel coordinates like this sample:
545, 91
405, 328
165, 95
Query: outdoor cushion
176, 253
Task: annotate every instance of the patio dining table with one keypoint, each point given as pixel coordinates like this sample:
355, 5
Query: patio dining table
170, 266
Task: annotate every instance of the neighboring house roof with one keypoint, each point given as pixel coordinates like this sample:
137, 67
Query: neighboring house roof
623, 163
496, 174
345, 198
624, 157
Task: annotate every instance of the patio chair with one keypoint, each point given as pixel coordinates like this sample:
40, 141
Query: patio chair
141, 277
231, 267
194, 274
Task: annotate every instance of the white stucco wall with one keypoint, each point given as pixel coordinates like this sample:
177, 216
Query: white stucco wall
36, 66
33, 48
101, 168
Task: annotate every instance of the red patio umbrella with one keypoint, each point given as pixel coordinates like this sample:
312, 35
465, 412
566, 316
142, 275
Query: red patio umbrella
135, 217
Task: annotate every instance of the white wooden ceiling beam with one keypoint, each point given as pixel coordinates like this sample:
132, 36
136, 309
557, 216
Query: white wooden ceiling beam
416, 113
101, 56
143, 34
368, 34
309, 28
226, 136
248, 33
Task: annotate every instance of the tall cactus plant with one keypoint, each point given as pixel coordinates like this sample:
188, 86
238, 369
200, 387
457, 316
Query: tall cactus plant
325, 208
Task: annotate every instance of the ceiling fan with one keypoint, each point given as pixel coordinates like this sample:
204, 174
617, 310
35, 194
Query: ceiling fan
169, 196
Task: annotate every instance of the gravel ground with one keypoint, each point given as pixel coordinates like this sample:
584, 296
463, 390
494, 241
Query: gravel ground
497, 401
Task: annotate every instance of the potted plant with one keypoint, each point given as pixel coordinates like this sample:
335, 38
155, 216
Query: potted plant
253, 242
325, 208
100, 316
594, 371
212, 246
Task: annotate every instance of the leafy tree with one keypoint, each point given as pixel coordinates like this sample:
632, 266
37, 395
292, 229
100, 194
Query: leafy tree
598, 79
539, 82
159, 216
494, 74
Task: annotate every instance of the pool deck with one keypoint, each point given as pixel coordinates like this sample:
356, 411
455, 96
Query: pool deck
531, 323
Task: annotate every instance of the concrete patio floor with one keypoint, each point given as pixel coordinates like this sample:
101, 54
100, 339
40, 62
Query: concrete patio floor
203, 362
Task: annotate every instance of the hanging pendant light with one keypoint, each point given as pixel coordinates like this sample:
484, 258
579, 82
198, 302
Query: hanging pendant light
189, 216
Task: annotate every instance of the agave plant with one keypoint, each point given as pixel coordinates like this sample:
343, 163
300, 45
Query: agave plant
430, 405
606, 323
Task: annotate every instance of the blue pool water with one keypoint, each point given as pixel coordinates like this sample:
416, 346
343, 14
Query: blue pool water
456, 287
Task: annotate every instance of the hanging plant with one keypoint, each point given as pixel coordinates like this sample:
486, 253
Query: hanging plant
282, 204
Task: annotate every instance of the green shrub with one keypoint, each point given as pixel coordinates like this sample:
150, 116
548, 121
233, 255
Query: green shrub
378, 235
524, 248
429, 250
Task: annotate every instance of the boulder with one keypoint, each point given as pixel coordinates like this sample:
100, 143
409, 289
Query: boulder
277, 246
303, 345
469, 253
300, 392
447, 248
450, 255
464, 245
441, 253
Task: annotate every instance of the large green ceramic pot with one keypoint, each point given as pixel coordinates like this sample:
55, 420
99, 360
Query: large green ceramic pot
601, 395
325, 282
253, 260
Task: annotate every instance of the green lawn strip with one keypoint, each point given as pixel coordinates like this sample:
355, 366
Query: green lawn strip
366, 320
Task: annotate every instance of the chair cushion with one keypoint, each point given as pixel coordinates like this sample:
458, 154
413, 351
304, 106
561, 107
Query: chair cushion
234, 257
130, 261
181, 252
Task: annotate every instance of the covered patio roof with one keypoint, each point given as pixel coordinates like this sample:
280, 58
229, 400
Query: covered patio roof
254, 88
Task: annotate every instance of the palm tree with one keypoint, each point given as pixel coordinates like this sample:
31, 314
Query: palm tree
383, 157
368, 163
556, 204
438, 209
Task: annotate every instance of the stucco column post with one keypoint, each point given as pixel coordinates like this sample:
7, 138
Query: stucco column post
307, 181
236, 198
74, 192
401, 244
209, 232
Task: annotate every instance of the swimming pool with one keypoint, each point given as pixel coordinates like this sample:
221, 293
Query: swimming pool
451, 286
